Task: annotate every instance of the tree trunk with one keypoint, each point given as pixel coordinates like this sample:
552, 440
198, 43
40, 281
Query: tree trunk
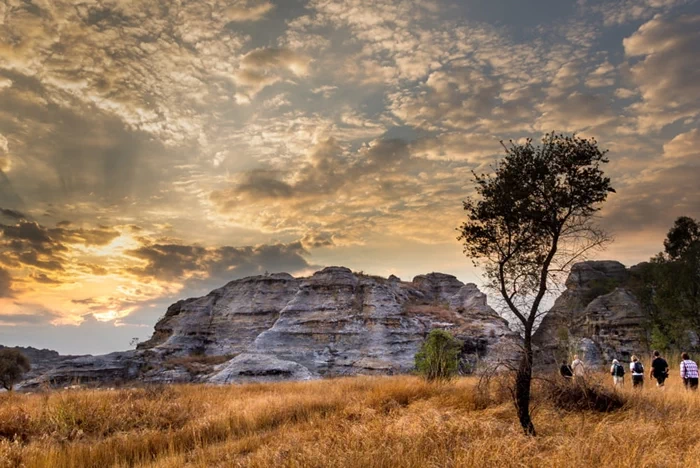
523, 380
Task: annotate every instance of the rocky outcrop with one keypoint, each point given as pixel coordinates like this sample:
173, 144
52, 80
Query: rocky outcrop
596, 317
114, 368
333, 323
276, 327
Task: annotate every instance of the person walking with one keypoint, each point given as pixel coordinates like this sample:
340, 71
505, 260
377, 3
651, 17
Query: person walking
637, 369
579, 369
659, 369
689, 372
617, 370
565, 370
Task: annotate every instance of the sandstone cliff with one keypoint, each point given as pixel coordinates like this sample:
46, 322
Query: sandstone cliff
275, 327
596, 316
334, 323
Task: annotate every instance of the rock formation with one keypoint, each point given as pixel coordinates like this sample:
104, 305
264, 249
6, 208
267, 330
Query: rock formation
334, 323
596, 316
274, 327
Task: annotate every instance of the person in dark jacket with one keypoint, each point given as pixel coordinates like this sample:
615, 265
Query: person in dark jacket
659, 369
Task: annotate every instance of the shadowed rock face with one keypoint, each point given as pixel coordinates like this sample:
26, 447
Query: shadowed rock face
277, 327
595, 316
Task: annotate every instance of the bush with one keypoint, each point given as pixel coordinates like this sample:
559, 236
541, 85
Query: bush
13, 365
438, 358
582, 396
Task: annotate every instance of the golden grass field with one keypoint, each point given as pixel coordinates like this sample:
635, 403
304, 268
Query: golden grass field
351, 422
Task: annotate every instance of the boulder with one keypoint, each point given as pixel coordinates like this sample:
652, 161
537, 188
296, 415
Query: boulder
249, 367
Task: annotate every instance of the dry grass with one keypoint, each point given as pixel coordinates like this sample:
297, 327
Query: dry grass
354, 422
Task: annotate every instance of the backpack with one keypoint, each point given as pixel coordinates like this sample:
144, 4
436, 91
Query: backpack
638, 368
618, 370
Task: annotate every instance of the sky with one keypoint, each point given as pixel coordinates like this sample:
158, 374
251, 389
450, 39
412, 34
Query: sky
153, 150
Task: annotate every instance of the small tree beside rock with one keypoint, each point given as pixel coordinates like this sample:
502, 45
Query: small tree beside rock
438, 358
13, 365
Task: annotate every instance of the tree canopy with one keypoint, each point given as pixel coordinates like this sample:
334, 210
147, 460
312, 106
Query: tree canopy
13, 364
669, 287
531, 219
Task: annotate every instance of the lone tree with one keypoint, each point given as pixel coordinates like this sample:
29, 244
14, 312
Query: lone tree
13, 364
531, 219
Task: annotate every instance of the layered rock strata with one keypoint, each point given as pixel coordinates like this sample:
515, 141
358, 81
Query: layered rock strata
276, 327
596, 317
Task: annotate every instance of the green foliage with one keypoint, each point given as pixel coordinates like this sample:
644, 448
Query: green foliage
683, 237
669, 287
534, 215
13, 365
438, 358
659, 339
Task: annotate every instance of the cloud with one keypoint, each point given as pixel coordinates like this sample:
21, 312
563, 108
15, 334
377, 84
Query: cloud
648, 203
35, 315
248, 11
265, 66
457, 98
5, 161
684, 145
13, 214
386, 186
167, 262
616, 12
667, 69
42, 278
575, 112
5, 283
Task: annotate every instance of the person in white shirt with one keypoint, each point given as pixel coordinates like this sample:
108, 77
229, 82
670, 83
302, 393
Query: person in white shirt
579, 369
689, 372
637, 370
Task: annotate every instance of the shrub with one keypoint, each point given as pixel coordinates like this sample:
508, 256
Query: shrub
13, 365
438, 358
582, 396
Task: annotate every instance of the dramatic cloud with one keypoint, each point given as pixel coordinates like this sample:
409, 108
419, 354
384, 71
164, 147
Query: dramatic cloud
668, 72
155, 150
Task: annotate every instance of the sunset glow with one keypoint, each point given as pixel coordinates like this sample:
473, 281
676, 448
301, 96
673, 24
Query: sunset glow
152, 151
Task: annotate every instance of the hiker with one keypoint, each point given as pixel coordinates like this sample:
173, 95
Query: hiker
637, 369
617, 370
689, 372
659, 369
578, 368
565, 370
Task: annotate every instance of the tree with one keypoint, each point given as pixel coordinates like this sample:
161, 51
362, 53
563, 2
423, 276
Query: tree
13, 364
438, 358
531, 219
669, 287
682, 238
